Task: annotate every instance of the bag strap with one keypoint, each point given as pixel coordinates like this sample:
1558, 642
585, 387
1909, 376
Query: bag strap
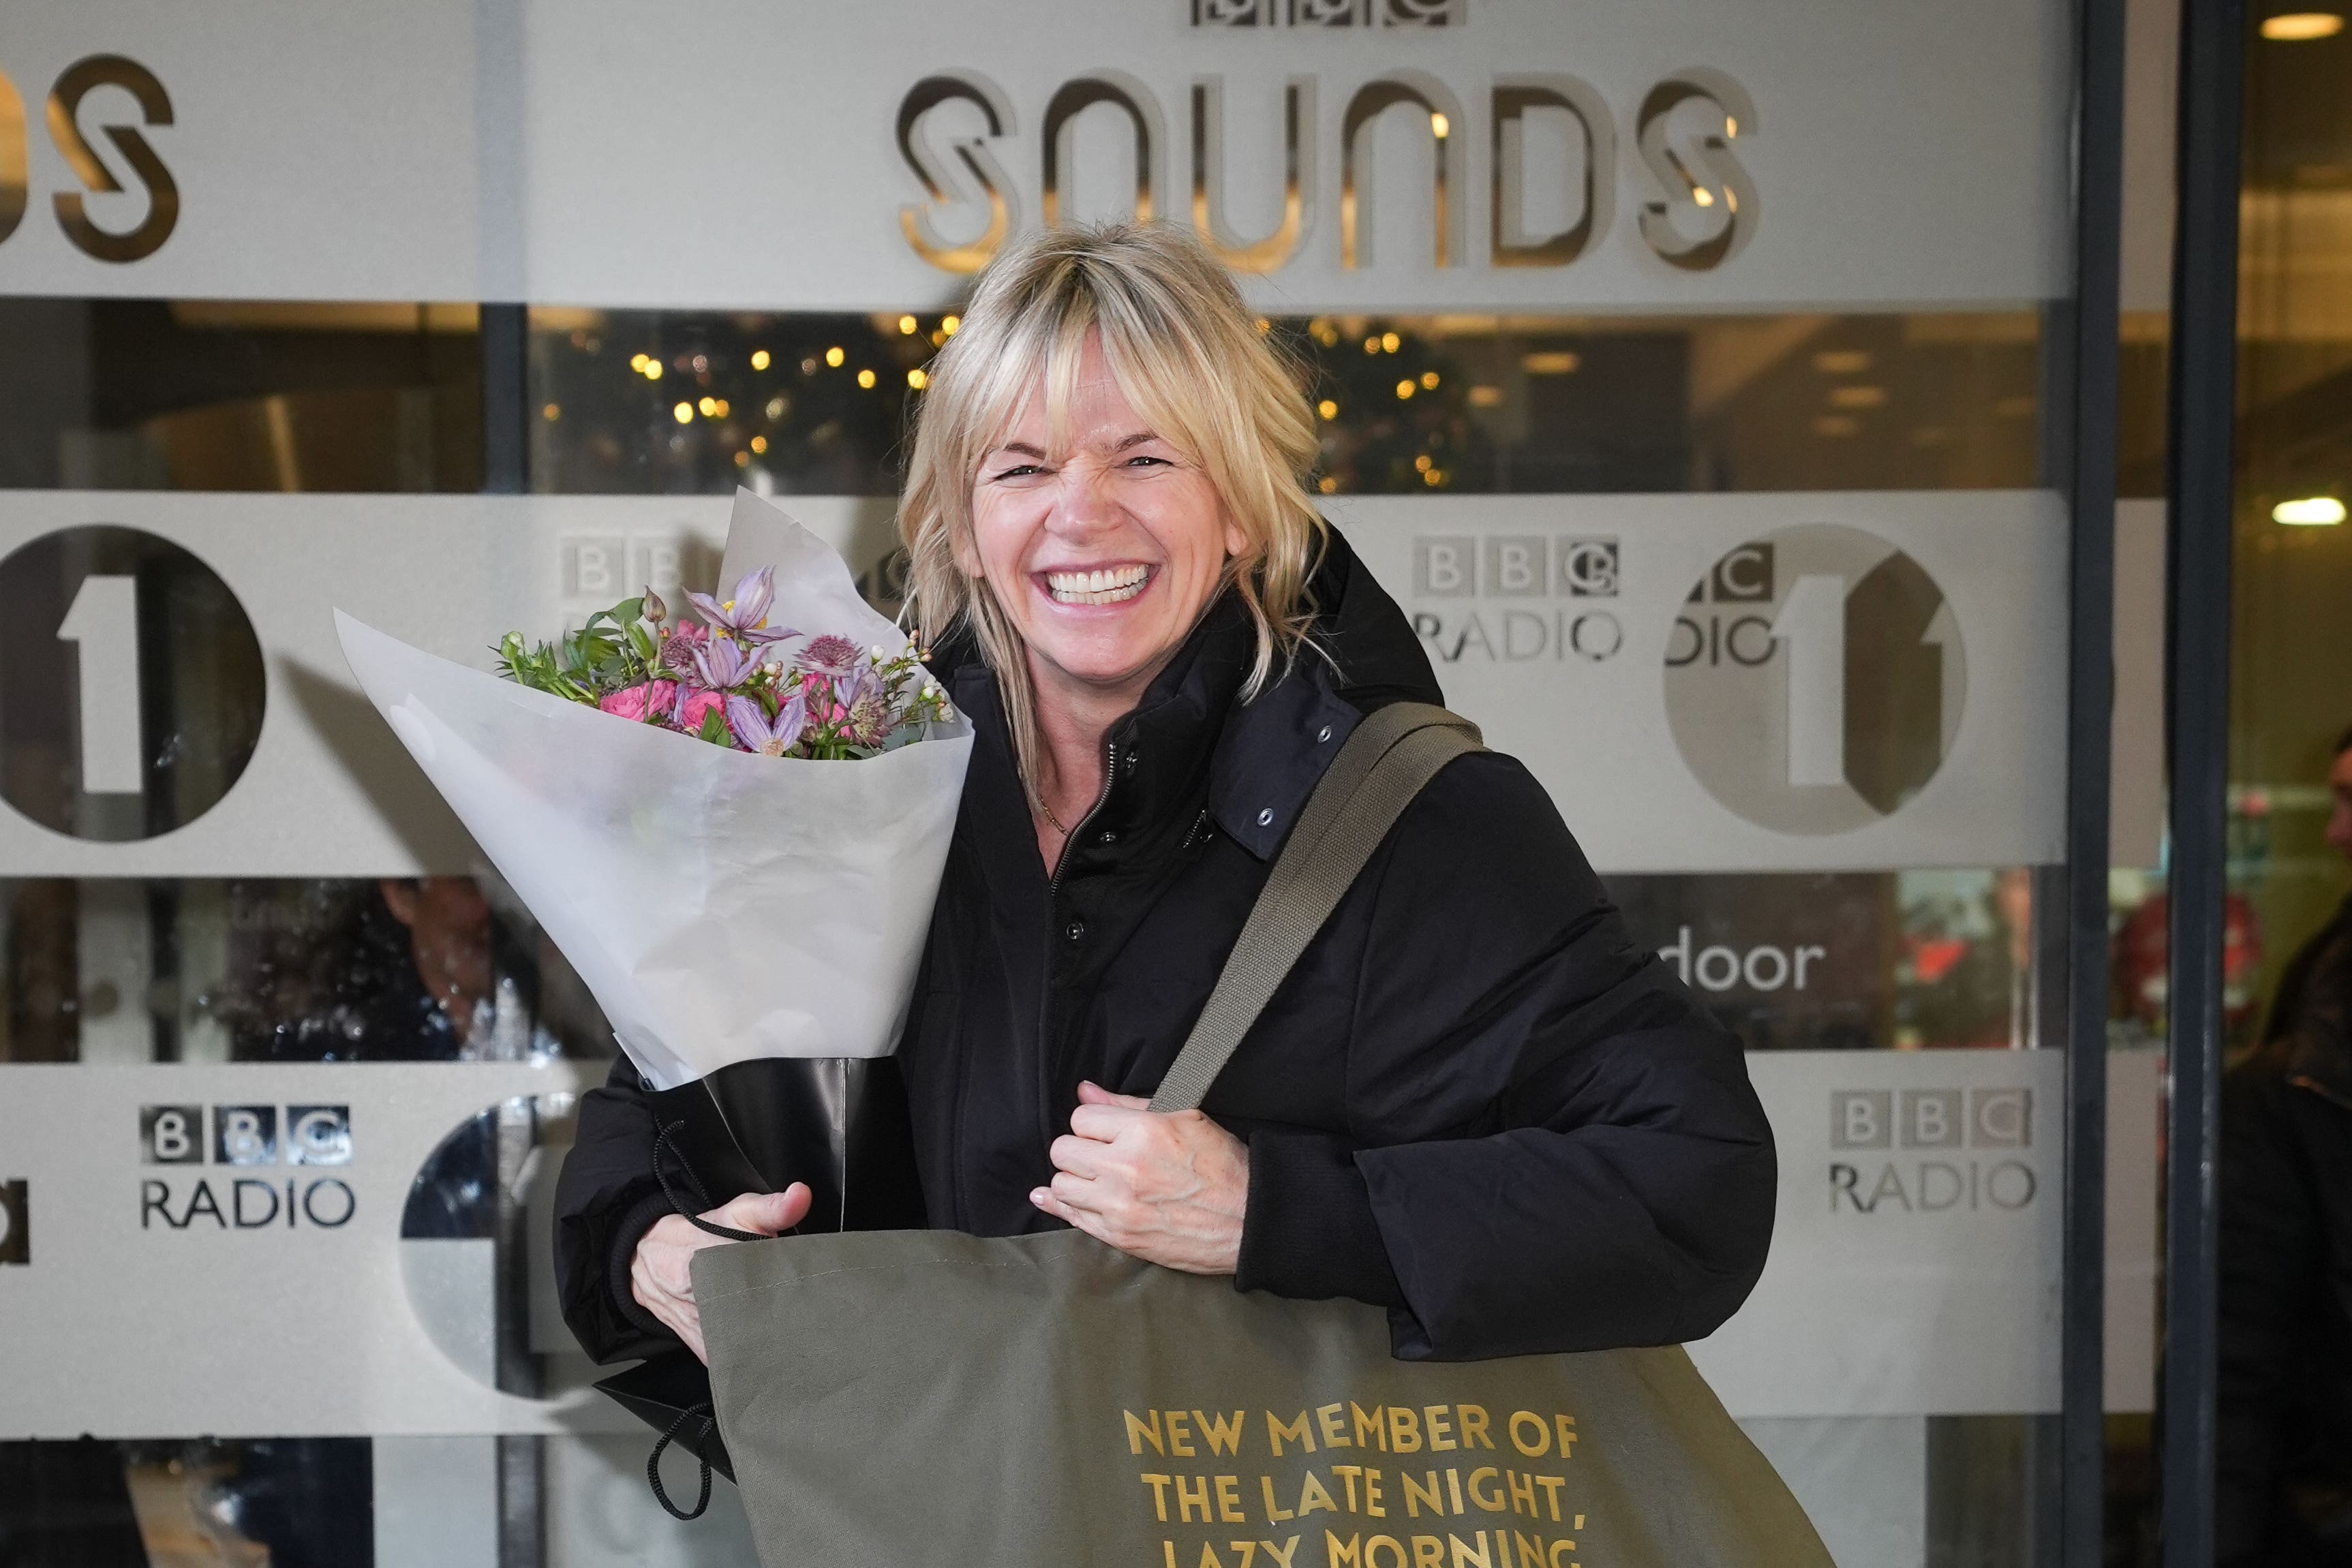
1392, 754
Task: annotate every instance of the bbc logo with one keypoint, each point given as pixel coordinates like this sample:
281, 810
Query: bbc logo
1744, 576
1931, 1119
246, 1136
16, 1224
1513, 566
602, 568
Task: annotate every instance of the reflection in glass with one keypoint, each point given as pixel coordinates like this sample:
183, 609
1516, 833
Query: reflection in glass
1849, 960
397, 969
656, 402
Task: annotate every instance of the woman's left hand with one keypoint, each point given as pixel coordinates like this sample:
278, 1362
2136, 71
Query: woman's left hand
1167, 1188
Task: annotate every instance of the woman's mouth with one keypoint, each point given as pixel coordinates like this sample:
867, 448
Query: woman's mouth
1107, 585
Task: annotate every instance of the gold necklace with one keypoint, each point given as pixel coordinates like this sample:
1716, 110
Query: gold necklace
1051, 818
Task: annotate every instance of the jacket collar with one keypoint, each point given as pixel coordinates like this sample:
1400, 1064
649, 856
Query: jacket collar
1263, 758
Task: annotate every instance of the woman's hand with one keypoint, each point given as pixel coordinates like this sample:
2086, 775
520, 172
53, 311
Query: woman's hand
1169, 1189
660, 1273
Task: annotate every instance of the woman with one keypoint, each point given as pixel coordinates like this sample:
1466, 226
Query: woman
1475, 1101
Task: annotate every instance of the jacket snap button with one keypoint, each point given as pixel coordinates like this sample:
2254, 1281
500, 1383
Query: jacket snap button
1265, 818
1109, 837
1078, 930
1323, 734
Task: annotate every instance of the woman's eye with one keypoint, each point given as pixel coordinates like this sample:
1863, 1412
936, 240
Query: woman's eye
1020, 471
1140, 459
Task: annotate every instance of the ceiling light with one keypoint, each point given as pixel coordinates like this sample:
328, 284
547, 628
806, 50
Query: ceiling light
1555, 363
2302, 27
2311, 512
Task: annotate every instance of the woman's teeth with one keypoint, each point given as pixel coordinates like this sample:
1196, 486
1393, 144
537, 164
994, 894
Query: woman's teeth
1108, 587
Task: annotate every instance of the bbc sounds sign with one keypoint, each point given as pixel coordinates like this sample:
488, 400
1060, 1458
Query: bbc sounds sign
1703, 683
1445, 154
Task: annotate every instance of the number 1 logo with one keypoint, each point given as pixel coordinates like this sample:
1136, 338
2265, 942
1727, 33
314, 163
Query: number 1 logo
103, 626
1815, 679
136, 687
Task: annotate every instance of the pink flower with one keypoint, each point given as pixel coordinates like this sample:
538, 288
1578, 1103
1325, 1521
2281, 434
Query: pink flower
678, 645
696, 703
834, 657
632, 701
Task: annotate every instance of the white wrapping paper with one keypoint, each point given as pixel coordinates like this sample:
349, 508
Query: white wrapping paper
720, 906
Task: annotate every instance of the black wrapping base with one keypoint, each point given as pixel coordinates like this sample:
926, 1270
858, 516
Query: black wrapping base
661, 1390
838, 1123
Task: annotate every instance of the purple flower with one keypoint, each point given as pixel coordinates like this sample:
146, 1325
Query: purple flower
868, 721
721, 664
754, 731
744, 613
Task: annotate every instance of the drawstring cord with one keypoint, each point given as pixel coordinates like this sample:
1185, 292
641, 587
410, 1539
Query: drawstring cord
653, 1463
667, 1138
689, 1202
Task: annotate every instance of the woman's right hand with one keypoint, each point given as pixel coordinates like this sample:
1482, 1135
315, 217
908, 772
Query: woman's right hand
661, 1274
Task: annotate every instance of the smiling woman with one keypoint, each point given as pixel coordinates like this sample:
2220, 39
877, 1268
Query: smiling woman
1075, 500
1476, 1101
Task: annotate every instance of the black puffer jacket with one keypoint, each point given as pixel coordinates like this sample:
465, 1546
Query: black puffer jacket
2285, 1486
1476, 1101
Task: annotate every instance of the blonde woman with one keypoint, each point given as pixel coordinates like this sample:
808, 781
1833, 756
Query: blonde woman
1475, 1101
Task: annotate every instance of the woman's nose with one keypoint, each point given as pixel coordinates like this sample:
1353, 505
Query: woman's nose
1086, 502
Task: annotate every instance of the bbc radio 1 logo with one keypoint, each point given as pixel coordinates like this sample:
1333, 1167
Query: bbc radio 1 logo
250, 1138
1522, 597
1815, 679
101, 610
16, 1223
1946, 1150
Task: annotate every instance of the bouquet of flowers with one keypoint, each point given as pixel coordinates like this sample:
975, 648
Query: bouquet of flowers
831, 701
733, 827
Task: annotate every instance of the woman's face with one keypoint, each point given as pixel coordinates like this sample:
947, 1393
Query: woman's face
1102, 555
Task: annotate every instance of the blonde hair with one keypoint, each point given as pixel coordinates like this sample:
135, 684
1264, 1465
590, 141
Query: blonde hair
1188, 355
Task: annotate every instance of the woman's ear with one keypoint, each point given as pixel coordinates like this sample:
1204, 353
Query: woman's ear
1237, 540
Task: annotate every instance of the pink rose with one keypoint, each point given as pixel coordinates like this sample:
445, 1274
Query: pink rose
632, 701
698, 704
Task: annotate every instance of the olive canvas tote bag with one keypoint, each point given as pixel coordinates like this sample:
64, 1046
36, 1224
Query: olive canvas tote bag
908, 1398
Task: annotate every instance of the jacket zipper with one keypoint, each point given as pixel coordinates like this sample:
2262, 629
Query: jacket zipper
1045, 981
1062, 861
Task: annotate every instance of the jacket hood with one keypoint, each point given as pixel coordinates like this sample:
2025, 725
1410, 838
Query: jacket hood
1367, 635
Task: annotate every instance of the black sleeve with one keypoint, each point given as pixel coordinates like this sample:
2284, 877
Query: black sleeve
606, 1198
1606, 1176
2271, 1249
